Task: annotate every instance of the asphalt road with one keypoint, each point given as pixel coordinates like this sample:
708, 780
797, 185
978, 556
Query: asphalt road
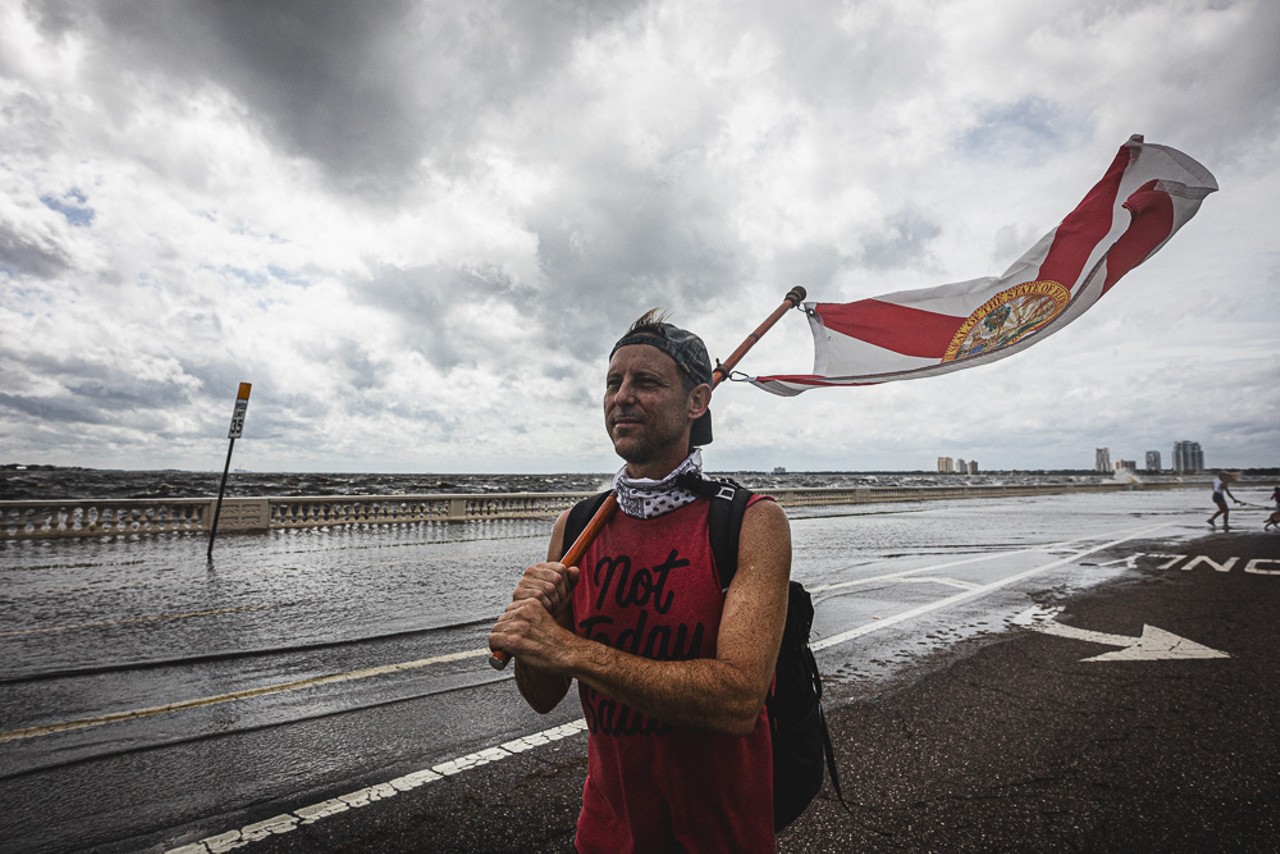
1017, 740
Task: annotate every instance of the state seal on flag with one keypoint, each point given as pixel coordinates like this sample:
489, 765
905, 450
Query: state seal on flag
1008, 317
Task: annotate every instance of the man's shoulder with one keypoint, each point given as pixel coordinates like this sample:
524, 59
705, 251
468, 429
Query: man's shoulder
763, 509
766, 522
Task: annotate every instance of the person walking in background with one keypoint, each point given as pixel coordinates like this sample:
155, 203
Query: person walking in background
1221, 492
1274, 518
672, 671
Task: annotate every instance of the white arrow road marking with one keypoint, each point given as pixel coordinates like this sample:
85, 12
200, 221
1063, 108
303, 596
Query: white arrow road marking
1153, 645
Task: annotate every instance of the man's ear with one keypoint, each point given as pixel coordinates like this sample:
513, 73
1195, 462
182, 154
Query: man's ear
699, 400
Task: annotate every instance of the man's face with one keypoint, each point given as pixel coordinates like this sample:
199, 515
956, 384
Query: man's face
647, 411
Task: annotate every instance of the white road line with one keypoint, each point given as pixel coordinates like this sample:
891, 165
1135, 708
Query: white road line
330, 679
949, 582
380, 792
895, 578
868, 628
991, 556
902, 575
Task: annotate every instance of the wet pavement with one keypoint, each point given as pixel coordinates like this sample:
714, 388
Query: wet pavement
327, 691
1022, 740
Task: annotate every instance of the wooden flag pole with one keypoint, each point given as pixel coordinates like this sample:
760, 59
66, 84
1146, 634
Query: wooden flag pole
794, 297
237, 428
498, 660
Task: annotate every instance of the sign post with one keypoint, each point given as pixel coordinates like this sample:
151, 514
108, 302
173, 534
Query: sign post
237, 427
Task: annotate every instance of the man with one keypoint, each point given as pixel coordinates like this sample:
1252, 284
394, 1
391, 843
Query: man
672, 672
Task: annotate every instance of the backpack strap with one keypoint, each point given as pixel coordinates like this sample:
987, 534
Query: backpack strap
829, 753
725, 526
724, 519
728, 505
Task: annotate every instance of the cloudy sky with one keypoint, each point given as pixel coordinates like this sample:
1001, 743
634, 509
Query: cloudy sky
417, 228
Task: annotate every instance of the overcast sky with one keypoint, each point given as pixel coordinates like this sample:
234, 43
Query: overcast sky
417, 228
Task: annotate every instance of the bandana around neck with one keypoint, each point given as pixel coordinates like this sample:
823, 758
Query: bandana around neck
645, 498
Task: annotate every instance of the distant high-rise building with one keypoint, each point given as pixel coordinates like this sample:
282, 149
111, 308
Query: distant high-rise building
1187, 457
1102, 460
961, 466
946, 465
1126, 465
1153, 462
973, 466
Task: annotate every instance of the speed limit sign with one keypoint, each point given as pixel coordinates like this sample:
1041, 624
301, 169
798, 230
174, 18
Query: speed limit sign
237, 415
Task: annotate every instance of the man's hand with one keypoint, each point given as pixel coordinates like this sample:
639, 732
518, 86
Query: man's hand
540, 604
549, 583
533, 625
530, 633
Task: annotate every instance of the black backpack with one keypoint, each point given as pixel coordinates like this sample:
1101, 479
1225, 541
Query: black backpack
801, 744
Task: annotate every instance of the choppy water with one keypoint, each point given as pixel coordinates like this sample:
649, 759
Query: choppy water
71, 483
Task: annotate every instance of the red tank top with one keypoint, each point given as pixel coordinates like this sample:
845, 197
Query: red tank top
650, 587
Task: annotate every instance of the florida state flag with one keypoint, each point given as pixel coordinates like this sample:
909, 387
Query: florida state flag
1149, 192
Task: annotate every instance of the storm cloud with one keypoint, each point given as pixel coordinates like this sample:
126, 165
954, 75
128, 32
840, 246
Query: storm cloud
417, 228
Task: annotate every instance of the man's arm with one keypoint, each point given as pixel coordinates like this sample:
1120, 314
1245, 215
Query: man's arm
551, 585
724, 693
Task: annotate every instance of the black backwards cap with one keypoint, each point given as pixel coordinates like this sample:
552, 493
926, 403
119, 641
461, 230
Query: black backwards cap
690, 356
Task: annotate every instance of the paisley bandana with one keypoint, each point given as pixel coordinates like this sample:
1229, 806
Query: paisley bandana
644, 498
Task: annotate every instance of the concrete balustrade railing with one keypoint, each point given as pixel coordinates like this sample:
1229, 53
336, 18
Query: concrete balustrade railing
35, 520
21, 520
322, 512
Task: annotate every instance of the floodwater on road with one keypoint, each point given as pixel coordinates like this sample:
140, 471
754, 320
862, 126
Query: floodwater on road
150, 695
